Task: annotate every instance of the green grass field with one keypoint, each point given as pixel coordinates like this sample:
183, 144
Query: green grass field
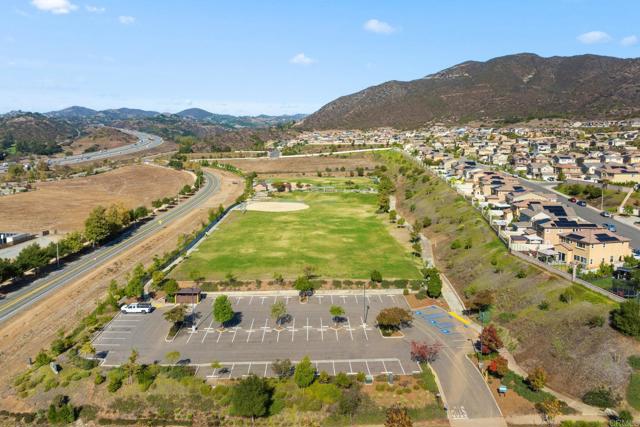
340, 235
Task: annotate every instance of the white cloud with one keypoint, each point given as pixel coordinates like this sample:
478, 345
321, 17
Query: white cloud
302, 59
57, 7
593, 37
95, 9
379, 27
126, 20
629, 41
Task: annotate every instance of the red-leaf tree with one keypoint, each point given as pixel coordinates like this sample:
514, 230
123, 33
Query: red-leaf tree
423, 352
489, 340
499, 366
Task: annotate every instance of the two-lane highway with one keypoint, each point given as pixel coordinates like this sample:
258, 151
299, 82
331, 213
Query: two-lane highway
29, 294
145, 142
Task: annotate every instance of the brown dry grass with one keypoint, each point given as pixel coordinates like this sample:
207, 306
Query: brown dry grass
25, 334
64, 205
304, 165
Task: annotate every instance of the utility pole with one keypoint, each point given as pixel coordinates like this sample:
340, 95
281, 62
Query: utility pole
57, 255
364, 302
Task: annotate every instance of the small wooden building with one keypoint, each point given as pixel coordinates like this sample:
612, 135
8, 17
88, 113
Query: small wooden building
188, 296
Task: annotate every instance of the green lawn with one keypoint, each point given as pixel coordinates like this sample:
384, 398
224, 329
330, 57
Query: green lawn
340, 235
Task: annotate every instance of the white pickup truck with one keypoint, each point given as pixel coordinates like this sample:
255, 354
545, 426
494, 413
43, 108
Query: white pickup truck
136, 307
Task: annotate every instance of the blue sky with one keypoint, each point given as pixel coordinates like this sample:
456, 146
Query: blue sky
274, 57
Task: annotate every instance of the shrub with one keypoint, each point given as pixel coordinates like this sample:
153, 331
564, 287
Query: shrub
626, 318
595, 321
537, 379
342, 380
601, 397
99, 379
42, 359
405, 292
456, 244
422, 294
634, 362
544, 305
521, 274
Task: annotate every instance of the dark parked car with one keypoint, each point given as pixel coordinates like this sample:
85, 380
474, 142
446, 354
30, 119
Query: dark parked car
581, 203
605, 214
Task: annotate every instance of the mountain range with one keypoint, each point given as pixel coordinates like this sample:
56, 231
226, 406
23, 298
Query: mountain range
507, 88
196, 114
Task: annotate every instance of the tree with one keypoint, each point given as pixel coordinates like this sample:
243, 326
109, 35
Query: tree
176, 315
383, 202
422, 352
118, 217
550, 409
393, 318
304, 373
490, 342
135, 282
628, 210
172, 357
278, 311
350, 402
96, 227
498, 366
33, 256
376, 276
626, 318
282, 368
401, 222
393, 215
303, 284
537, 379
561, 176
171, 287
222, 310
309, 271
336, 312
397, 416
250, 397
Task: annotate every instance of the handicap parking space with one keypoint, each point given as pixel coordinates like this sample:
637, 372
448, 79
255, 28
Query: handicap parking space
451, 330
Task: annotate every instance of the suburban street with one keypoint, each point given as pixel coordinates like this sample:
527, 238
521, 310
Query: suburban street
145, 142
588, 213
31, 293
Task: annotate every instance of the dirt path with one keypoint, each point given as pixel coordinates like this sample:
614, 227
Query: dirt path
25, 334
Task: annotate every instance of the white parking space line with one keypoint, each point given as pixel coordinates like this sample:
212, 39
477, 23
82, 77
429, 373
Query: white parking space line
293, 329
105, 345
219, 335
233, 365
402, 367
113, 338
287, 298
350, 368
264, 328
356, 297
251, 300
364, 328
367, 365
321, 330
331, 298
235, 332
349, 328
334, 368
207, 329
319, 298
380, 296
307, 328
344, 299
262, 300
250, 330
266, 365
385, 368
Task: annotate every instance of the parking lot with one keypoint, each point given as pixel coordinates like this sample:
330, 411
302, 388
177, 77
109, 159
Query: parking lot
252, 342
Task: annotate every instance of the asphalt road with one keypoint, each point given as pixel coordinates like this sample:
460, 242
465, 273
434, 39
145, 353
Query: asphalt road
145, 142
589, 213
29, 294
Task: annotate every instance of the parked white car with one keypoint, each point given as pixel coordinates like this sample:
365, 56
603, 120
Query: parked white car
136, 307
